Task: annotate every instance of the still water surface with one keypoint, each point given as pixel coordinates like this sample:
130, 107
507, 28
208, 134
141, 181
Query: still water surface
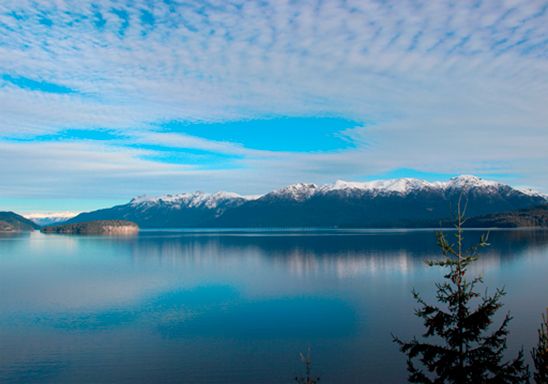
235, 306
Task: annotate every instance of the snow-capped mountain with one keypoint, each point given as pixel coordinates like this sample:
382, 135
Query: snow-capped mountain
297, 192
192, 200
43, 219
402, 187
384, 203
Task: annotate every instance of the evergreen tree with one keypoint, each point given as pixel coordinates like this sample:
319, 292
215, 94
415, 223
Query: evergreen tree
457, 346
540, 353
308, 378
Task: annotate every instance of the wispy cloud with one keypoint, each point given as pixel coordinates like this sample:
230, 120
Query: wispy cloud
444, 87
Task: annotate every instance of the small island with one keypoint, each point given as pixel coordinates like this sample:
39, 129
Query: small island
99, 227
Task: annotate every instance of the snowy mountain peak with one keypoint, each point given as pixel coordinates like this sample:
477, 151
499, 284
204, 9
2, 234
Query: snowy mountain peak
469, 181
190, 199
401, 186
51, 217
343, 185
299, 191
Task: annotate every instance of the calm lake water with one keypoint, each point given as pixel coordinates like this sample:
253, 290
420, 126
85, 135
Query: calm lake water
235, 306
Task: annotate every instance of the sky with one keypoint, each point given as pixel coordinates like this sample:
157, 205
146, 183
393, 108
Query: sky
101, 101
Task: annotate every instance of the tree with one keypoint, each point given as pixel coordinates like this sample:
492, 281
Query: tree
457, 346
308, 378
540, 353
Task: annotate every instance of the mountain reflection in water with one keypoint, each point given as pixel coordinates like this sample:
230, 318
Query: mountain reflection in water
343, 253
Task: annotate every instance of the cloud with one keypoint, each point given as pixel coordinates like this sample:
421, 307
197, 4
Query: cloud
58, 169
440, 86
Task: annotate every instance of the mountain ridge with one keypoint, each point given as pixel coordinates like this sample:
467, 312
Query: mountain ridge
533, 217
384, 203
13, 222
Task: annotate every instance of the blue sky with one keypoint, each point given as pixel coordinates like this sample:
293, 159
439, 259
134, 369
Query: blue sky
104, 100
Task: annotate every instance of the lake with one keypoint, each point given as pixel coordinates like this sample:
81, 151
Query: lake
236, 306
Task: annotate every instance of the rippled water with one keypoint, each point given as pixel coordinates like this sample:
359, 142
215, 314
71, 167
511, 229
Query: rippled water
235, 306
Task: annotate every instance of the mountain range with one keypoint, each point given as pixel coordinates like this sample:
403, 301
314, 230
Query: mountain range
375, 204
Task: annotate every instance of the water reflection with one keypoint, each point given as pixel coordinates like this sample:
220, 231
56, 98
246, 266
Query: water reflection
204, 307
344, 254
